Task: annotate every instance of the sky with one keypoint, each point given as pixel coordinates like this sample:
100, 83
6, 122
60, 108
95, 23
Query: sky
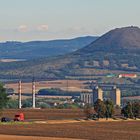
26, 20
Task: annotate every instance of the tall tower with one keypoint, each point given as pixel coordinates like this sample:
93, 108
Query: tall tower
19, 94
97, 94
116, 96
33, 93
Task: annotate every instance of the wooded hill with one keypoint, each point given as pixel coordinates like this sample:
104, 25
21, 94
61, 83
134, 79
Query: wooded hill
117, 50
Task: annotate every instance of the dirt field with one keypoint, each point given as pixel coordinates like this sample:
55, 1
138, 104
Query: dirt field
50, 114
54, 123
131, 98
70, 85
14, 137
125, 130
46, 114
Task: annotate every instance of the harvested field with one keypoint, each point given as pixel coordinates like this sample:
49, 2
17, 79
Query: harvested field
46, 114
50, 114
60, 123
131, 98
70, 85
10, 137
123, 130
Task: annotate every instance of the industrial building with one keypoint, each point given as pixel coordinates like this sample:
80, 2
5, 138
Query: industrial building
97, 93
115, 96
87, 97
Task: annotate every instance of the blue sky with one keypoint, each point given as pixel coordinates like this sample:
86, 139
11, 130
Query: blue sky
24, 20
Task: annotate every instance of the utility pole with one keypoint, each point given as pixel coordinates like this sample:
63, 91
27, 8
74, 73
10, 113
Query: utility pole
33, 93
19, 94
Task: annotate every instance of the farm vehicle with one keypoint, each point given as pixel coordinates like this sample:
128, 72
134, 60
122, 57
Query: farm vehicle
17, 117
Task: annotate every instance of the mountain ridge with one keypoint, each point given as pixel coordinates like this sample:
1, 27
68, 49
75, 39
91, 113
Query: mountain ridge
37, 49
122, 38
117, 50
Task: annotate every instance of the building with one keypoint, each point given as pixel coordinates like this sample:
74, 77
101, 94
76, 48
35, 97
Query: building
110, 75
127, 75
91, 97
87, 97
115, 96
97, 93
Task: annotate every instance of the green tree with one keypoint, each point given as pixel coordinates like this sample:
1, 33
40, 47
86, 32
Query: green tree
12, 104
109, 109
136, 109
44, 105
3, 97
127, 110
88, 110
100, 108
26, 103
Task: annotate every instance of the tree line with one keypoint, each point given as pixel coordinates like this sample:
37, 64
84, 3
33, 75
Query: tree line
131, 110
106, 109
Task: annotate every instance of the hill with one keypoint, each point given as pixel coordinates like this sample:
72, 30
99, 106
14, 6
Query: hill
118, 50
37, 49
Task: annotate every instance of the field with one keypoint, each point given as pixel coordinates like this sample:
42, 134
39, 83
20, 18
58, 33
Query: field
132, 98
125, 130
46, 114
70, 85
56, 124
64, 124
50, 114
11, 60
13, 137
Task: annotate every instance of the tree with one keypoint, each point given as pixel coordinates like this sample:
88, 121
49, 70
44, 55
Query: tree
26, 103
127, 110
44, 105
3, 97
12, 104
88, 110
109, 109
136, 109
100, 108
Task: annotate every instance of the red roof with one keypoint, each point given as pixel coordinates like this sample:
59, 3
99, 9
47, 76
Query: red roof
128, 74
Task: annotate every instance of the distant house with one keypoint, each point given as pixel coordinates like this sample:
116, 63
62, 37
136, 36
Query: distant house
110, 75
127, 75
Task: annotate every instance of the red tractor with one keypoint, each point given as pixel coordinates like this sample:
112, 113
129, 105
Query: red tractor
19, 117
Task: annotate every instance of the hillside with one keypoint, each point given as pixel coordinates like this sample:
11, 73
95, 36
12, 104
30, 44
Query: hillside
118, 50
37, 49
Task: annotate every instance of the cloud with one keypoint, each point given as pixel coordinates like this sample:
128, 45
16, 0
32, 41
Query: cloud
23, 28
43, 27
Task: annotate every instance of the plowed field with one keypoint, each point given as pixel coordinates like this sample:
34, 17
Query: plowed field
45, 114
125, 130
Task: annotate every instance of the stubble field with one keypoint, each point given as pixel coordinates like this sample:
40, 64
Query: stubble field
69, 85
49, 124
124, 130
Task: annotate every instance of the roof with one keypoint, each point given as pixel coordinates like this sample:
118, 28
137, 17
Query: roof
128, 74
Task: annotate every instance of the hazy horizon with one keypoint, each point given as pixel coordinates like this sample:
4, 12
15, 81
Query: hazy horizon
51, 19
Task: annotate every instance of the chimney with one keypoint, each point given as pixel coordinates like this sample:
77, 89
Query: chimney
33, 93
19, 94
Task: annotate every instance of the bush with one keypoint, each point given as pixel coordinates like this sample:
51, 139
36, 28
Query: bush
12, 104
27, 103
44, 105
